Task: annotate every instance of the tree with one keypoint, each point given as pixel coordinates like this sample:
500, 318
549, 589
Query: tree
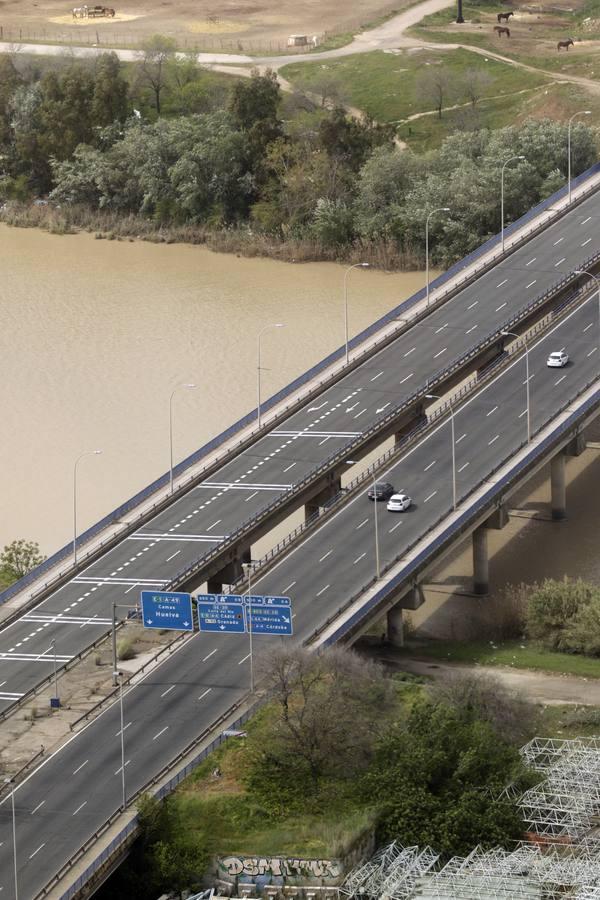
327, 712
432, 85
157, 53
349, 140
19, 558
109, 98
475, 83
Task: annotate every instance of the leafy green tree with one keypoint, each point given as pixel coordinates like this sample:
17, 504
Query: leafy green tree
552, 607
19, 558
157, 53
347, 139
10, 80
109, 97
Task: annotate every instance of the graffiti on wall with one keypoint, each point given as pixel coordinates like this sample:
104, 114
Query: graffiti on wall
288, 867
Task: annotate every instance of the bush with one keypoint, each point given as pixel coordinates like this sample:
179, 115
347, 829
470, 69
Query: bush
565, 616
125, 650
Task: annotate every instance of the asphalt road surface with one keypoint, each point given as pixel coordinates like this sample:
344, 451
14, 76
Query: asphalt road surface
75, 790
74, 616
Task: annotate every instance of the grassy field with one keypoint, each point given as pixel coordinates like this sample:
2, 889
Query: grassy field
519, 654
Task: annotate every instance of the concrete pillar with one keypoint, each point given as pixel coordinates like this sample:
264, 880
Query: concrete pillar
498, 519
214, 585
558, 485
229, 573
481, 573
577, 446
327, 493
395, 626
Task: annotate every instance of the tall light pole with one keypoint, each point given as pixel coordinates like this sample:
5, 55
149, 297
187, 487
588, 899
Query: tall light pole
248, 567
450, 404
14, 834
80, 457
597, 280
258, 369
433, 211
512, 334
346, 273
582, 112
171, 431
119, 675
510, 159
53, 648
375, 502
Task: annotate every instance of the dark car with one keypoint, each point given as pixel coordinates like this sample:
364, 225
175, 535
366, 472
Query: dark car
382, 490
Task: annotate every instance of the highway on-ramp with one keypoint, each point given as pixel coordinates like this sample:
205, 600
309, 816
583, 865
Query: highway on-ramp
69, 797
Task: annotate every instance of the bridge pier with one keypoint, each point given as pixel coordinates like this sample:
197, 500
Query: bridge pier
229, 573
312, 507
558, 486
576, 446
395, 616
481, 567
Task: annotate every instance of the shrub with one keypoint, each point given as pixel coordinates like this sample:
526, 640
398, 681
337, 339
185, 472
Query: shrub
565, 616
125, 650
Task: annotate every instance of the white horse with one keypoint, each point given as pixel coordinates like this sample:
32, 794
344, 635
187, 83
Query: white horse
80, 12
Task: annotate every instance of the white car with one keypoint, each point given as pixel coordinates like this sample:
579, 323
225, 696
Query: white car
399, 502
558, 359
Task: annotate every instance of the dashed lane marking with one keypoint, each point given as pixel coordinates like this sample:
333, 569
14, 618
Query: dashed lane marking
79, 768
207, 691
162, 731
322, 591
212, 653
81, 805
358, 558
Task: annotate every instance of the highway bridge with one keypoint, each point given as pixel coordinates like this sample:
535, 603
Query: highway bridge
76, 790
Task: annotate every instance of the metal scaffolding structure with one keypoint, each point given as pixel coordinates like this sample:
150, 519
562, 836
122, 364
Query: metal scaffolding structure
391, 873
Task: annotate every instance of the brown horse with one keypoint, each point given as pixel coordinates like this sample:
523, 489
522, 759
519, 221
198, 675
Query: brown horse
506, 16
500, 31
566, 44
108, 11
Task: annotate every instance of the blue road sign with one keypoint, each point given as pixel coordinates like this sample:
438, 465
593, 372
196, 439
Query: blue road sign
167, 609
221, 612
269, 615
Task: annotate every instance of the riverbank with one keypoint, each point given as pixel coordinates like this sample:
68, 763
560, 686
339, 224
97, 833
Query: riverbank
241, 241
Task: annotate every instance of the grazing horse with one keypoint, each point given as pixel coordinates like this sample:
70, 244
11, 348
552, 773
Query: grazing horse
566, 44
108, 11
506, 16
500, 31
80, 12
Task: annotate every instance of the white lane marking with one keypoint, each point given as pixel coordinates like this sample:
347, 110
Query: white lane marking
291, 585
472, 328
502, 305
493, 410
562, 378
38, 850
364, 522
412, 350
256, 492
560, 261
125, 727
430, 496
585, 221
385, 405
358, 558
322, 591
430, 465
558, 241
531, 283
586, 242
501, 283
203, 695
132, 588
291, 466
79, 807
492, 440
592, 351
8, 695
173, 555
210, 527
329, 552
461, 438
375, 377
37, 807
2, 683
406, 377
317, 408
393, 528
524, 413
162, 731
437, 330
587, 327
464, 466
168, 691
440, 353
324, 441
473, 304
79, 768
360, 413
121, 767
212, 653
244, 659
531, 260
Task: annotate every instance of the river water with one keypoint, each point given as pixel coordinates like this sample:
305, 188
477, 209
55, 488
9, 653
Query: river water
95, 335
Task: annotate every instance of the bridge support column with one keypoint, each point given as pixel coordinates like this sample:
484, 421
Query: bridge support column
229, 573
481, 569
558, 486
395, 626
577, 445
315, 503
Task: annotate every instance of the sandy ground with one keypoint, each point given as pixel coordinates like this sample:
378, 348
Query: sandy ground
253, 24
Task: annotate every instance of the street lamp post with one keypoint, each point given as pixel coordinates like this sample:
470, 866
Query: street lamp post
582, 112
119, 675
80, 457
362, 265
510, 159
450, 404
171, 431
258, 369
459, 13
14, 834
53, 646
433, 211
375, 501
248, 567
512, 334
597, 280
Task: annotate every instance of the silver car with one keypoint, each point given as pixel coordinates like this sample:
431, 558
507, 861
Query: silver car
399, 502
